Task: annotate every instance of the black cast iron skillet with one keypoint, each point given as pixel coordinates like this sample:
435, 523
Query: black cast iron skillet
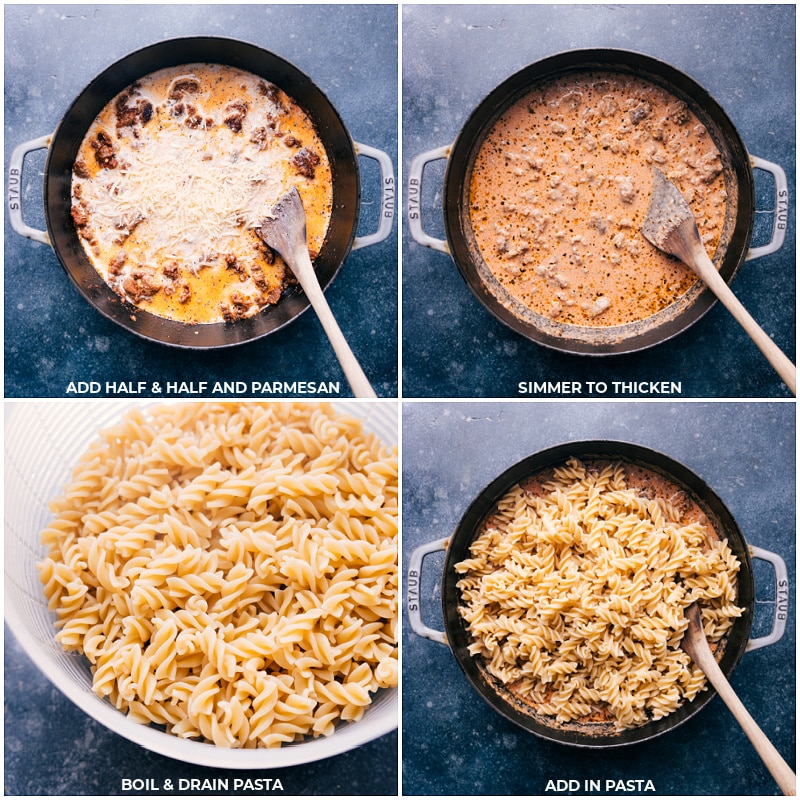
733, 250
66, 140
457, 636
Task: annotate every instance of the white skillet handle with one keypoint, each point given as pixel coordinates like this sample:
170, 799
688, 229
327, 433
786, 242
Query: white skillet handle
15, 189
415, 198
780, 212
413, 594
781, 599
387, 196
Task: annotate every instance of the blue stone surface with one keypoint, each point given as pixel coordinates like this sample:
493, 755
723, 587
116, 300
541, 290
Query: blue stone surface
453, 56
454, 743
53, 748
54, 336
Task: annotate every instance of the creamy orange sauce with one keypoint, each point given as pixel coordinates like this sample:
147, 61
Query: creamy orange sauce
561, 185
174, 177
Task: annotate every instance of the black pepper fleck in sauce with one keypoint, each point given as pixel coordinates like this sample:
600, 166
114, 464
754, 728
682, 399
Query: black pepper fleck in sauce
619, 127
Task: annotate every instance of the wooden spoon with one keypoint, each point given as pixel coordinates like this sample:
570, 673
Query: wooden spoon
670, 226
696, 645
284, 230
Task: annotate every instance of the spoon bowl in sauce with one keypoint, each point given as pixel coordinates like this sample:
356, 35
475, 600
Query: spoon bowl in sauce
670, 226
284, 230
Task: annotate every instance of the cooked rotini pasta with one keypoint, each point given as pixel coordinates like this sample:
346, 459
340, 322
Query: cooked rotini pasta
230, 569
575, 590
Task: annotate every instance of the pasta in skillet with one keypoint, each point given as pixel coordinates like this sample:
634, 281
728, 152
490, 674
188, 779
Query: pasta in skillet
575, 590
230, 570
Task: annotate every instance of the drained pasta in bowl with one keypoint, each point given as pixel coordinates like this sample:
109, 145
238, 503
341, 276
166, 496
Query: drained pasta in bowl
565, 588
218, 581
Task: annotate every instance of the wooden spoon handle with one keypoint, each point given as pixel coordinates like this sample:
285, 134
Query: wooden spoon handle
782, 365
358, 381
774, 762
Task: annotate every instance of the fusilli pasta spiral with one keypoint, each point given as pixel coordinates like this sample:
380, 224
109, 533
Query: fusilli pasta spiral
575, 590
230, 569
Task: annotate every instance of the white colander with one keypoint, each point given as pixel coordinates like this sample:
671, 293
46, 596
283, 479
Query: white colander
43, 441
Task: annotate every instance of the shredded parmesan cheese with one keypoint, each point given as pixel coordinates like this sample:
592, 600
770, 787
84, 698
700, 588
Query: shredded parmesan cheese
186, 195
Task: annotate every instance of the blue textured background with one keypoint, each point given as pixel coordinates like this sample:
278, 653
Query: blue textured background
53, 336
453, 56
453, 742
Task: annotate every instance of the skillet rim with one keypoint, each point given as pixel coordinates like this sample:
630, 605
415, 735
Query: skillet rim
481, 505
479, 122
117, 76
